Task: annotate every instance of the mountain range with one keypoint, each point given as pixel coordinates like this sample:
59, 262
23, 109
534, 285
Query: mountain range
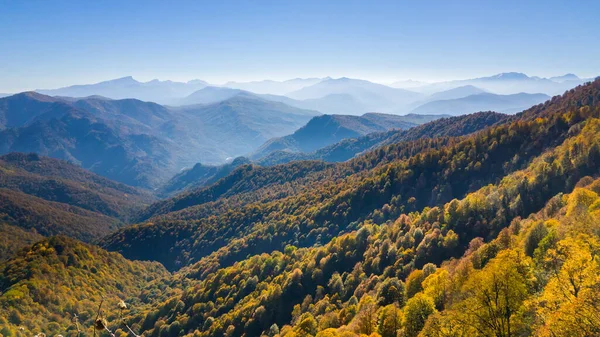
505, 84
481, 102
472, 225
274, 87
327, 95
372, 97
164, 92
141, 143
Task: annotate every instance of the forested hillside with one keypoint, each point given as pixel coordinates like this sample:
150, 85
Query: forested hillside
489, 234
198, 176
517, 255
57, 285
53, 197
14, 239
339, 199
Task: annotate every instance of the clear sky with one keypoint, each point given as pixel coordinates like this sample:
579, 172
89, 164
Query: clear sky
48, 44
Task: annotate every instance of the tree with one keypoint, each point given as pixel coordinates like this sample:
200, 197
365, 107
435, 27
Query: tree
437, 286
413, 283
336, 285
417, 309
367, 315
495, 295
570, 303
307, 326
390, 321
391, 291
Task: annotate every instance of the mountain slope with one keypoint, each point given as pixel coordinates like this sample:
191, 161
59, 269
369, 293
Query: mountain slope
198, 176
128, 113
349, 148
55, 197
481, 102
56, 180
389, 272
209, 95
80, 138
240, 124
14, 239
409, 242
46, 286
408, 176
21, 109
328, 129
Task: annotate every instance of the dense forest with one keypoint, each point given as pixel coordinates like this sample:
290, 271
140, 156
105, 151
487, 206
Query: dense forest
486, 227
50, 196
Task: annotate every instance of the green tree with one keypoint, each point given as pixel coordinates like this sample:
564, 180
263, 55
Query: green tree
417, 309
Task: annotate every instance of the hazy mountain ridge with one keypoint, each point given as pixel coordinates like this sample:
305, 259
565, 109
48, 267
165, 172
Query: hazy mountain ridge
273, 87
510, 83
443, 126
481, 102
127, 87
95, 144
373, 96
141, 143
328, 129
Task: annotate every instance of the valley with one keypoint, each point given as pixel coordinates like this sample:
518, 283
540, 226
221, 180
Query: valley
322, 225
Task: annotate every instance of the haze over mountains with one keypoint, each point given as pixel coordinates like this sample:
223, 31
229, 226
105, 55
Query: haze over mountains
115, 129
324, 130
127, 87
274, 87
141, 143
509, 104
503, 83
327, 95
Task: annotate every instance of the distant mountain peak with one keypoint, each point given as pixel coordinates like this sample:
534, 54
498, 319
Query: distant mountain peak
123, 80
196, 81
565, 77
510, 76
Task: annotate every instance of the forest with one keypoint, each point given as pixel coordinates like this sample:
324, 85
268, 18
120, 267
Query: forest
479, 226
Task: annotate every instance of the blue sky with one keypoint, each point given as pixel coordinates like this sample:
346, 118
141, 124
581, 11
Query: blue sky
47, 44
